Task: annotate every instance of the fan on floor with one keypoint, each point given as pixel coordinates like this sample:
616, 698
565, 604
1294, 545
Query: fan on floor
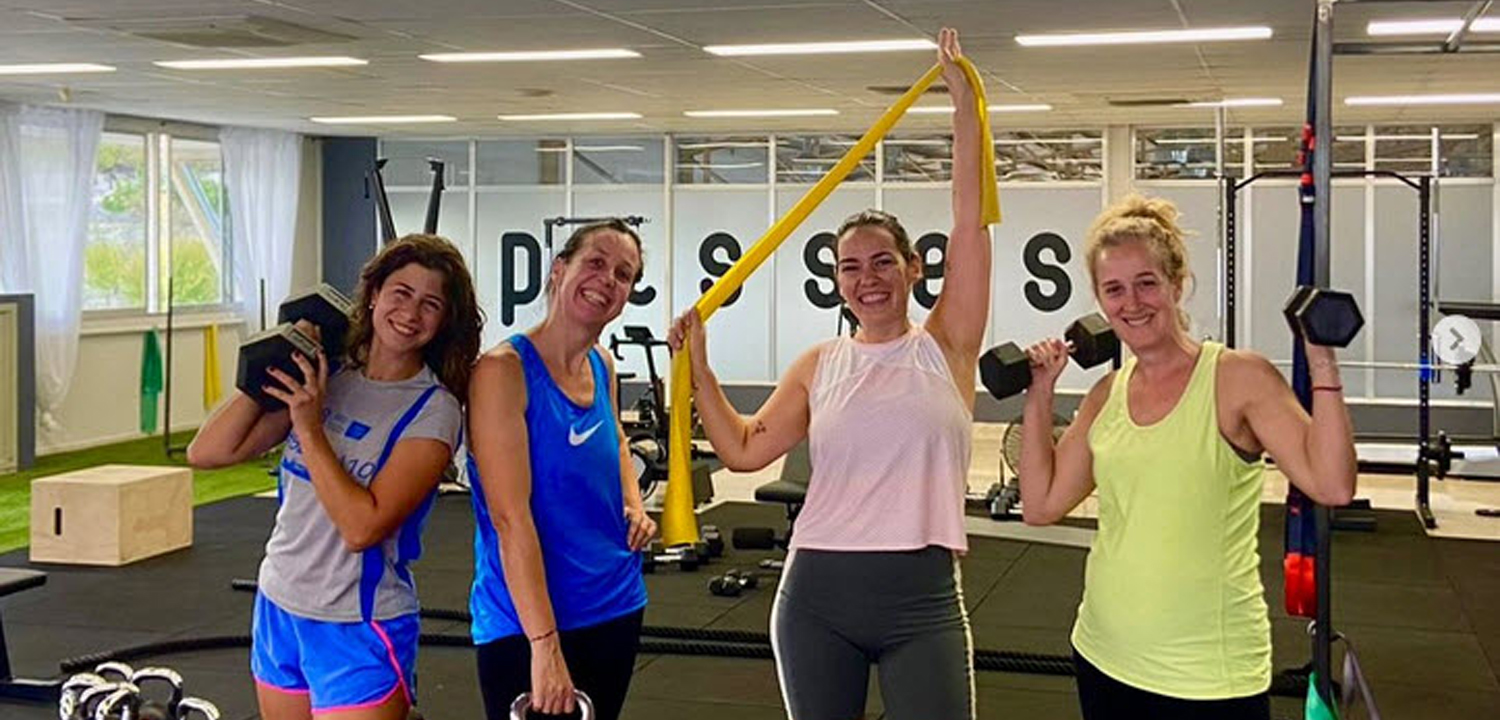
1005, 496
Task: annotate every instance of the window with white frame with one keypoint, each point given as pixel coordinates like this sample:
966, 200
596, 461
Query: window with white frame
158, 225
1463, 150
1280, 148
805, 159
1187, 153
1049, 155
114, 264
722, 160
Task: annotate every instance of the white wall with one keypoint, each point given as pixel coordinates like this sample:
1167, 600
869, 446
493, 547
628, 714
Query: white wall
103, 403
754, 339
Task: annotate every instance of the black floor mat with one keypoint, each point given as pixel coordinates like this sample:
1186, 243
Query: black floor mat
1421, 611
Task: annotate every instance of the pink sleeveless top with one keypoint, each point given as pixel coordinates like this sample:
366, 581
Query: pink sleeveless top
889, 441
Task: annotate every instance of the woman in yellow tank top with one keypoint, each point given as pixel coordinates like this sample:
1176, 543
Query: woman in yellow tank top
1173, 621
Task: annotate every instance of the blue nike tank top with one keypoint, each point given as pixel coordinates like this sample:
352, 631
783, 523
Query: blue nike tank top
577, 505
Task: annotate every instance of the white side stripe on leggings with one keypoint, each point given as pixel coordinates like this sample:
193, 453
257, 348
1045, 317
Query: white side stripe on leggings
786, 572
963, 612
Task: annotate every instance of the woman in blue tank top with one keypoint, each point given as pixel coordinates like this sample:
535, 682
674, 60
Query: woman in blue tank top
558, 597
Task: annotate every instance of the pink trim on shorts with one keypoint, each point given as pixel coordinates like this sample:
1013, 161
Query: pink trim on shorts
276, 688
390, 651
361, 706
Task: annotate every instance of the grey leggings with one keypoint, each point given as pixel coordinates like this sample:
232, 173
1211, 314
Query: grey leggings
838, 612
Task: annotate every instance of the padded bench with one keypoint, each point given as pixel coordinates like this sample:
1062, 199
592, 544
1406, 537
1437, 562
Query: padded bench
14, 580
789, 490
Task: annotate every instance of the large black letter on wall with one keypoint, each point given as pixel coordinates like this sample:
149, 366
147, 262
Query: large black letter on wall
1062, 289
931, 269
642, 295
714, 266
512, 297
812, 257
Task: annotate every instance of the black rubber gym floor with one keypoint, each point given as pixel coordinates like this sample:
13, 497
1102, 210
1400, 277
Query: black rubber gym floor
1424, 615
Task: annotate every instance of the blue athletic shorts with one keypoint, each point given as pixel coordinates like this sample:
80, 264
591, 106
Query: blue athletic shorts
341, 666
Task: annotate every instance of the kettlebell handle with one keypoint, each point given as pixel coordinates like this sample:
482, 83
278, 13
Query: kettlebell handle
523, 703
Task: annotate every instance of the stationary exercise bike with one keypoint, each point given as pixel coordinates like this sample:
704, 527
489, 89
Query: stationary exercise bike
648, 431
1003, 499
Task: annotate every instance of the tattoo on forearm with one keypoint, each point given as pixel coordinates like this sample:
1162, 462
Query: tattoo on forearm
759, 429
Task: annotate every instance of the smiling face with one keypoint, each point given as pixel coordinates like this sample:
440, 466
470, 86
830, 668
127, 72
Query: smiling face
592, 284
409, 308
1135, 292
874, 278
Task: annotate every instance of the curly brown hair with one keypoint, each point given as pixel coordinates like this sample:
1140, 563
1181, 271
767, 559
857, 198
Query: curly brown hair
452, 351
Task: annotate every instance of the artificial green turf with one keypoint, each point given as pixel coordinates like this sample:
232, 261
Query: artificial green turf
208, 485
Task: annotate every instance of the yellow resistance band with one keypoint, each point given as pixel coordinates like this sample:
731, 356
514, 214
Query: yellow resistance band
678, 523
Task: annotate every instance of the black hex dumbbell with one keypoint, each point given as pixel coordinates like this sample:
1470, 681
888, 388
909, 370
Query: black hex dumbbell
732, 583
712, 542
1006, 369
757, 538
325, 308
686, 559
1323, 317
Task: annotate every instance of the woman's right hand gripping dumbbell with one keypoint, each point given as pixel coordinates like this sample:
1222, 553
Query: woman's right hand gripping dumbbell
1048, 359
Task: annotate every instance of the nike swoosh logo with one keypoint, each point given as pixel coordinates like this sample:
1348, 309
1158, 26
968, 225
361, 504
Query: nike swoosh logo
575, 439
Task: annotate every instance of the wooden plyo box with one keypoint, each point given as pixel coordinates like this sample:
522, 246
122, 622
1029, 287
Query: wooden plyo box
111, 514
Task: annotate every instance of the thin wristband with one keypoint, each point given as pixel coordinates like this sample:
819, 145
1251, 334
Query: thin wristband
1328, 388
543, 636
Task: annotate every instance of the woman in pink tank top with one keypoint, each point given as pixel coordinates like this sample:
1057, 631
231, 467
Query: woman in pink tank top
888, 414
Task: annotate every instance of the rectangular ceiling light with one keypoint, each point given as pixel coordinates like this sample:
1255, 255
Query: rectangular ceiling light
53, 68
382, 119
821, 48
260, 63
531, 55
1450, 99
1235, 103
1379, 28
803, 112
572, 116
1255, 32
948, 109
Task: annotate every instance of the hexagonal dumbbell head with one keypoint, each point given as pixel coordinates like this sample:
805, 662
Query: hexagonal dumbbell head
1293, 307
1005, 370
1324, 317
1094, 341
267, 349
325, 307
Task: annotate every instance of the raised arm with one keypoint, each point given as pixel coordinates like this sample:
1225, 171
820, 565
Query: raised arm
962, 311
237, 430
1055, 479
746, 443
1316, 453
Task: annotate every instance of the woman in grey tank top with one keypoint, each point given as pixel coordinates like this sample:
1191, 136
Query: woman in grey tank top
335, 625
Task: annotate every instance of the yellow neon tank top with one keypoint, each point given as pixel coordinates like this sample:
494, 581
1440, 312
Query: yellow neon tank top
1172, 599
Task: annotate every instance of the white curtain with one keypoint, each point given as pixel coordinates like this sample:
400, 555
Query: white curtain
261, 171
46, 192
